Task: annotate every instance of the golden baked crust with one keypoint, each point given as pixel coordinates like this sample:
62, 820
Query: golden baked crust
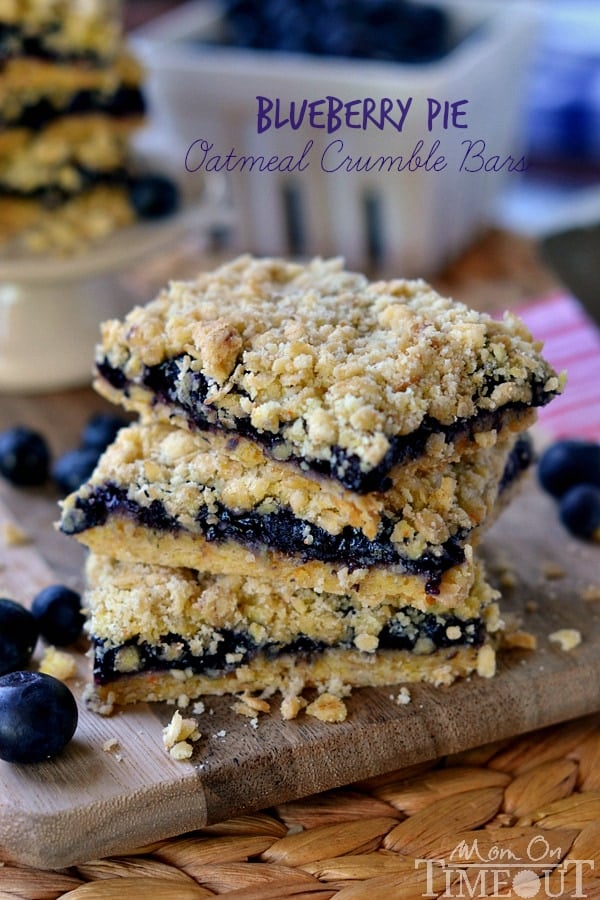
333, 670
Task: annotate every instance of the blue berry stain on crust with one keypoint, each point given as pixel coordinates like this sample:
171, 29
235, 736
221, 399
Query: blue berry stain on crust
18, 636
38, 717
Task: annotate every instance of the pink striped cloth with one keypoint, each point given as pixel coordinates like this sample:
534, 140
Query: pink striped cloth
572, 343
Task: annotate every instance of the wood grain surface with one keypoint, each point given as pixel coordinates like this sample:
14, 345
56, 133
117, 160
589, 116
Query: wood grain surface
89, 802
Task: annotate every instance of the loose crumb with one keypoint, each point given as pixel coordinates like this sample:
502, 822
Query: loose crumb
181, 750
112, 746
291, 706
532, 606
58, 663
507, 579
591, 593
402, 698
327, 708
568, 638
522, 640
553, 571
198, 708
93, 702
486, 661
13, 536
249, 706
178, 734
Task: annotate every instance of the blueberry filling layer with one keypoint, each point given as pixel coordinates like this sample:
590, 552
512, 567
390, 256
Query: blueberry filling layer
125, 101
165, 381
230, 649
279, 530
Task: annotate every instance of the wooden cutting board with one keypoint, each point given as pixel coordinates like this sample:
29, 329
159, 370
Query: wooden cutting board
91, 802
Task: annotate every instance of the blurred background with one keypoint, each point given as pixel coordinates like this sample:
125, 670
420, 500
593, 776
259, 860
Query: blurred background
494, 235
531, 71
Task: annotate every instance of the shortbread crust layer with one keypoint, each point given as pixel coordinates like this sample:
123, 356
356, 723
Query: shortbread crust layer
345, 376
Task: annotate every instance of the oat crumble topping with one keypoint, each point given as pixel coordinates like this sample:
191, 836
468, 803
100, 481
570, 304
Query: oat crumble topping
325, 358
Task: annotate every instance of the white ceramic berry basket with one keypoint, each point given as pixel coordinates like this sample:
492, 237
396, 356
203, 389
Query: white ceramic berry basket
409, 222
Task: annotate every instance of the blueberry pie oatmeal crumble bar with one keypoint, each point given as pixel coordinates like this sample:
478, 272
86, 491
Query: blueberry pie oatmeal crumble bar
300, 501
159, 632
346, 377
211, 501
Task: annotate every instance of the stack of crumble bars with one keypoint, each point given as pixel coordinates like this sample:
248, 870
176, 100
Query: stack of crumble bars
70, 99
297, 506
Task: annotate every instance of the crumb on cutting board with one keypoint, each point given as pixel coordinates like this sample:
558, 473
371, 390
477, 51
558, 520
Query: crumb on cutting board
58, 663
14, 536
402, 698
519, 640
291, 706
178, 736
327, 708
552, 571
567, 638
249, 706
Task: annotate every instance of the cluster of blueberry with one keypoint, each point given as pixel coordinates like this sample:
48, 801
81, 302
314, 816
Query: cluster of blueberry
570, 472
25, 459
394, 30
38, 713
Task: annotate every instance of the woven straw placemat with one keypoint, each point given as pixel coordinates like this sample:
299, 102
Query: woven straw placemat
518, 818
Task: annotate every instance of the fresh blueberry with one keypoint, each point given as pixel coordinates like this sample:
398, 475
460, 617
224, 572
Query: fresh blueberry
38, 717
101, 430
24, 456
74, 467
153, 196
18, 635
57, 610
568, 463
579, 511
